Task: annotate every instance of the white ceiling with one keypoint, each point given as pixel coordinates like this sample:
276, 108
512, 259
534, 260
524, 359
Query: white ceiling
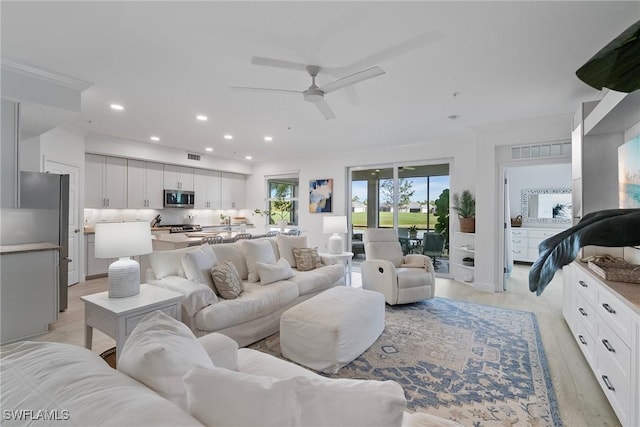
168, 61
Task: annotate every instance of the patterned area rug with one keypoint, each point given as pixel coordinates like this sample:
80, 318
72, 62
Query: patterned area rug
476, 364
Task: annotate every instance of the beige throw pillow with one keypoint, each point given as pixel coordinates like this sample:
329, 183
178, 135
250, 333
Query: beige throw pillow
227, 280
307, 259
286, 245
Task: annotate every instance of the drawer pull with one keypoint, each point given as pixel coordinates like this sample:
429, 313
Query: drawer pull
608, 383
608, 346
608, 308
581, 310
584, 285
582, 340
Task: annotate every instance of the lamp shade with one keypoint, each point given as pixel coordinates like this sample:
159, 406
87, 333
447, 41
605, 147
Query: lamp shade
334, 224
122, 239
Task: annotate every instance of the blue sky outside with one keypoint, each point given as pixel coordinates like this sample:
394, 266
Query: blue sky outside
436, 185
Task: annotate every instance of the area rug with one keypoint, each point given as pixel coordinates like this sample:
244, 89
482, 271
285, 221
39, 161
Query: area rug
476, 364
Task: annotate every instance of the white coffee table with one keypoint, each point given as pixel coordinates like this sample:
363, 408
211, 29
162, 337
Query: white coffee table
344, 258
117, 317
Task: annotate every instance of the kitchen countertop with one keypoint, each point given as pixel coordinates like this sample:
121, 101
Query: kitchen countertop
28, 247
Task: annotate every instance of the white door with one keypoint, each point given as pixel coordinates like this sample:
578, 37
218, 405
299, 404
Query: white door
74, 225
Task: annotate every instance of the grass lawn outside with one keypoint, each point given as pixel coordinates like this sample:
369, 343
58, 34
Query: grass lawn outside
405, 219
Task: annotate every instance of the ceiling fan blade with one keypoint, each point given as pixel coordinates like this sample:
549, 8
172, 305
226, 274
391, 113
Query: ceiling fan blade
325, 109
263, 89
352, 79
270, 62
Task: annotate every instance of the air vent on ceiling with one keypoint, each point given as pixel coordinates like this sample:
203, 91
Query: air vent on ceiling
536, 151
192, 156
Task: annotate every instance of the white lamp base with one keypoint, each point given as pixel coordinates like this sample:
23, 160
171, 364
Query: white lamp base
124, 278
335, 244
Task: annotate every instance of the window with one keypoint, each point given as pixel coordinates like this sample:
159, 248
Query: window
282, 200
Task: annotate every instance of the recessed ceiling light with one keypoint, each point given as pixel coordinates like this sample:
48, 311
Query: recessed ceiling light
248, 157
209, 149
117, 107
268, 138
202, 117
155, 138
227, 136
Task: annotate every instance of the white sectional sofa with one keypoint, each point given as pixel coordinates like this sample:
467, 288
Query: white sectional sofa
167, 377
255, 313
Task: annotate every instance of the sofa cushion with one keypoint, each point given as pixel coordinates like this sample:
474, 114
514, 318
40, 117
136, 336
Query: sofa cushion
52, 376
196, 295
234, 253
168, 263
259, 250
385, 250
307, 258
295, 401
255, 302
197, 264
159, 352
287, 243
226, 280
270, 273
319, 279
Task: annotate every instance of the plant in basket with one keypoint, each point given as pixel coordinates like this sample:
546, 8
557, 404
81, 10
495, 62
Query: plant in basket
465, 205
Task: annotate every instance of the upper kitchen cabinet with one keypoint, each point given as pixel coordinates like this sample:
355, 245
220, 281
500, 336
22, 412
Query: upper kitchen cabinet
207, 187
144, 184
105, 182
178, 178
233, 190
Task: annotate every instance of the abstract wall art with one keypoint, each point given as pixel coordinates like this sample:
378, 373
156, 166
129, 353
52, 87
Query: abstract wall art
320, 195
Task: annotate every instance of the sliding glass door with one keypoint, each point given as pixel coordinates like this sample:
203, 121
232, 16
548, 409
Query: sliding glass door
412, 199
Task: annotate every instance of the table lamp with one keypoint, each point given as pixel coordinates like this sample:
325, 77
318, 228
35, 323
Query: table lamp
122, 240
335, 225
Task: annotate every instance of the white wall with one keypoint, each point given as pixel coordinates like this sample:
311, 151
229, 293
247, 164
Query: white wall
8, 153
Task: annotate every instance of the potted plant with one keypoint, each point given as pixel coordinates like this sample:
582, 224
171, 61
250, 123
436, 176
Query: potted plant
465, 205
413, 231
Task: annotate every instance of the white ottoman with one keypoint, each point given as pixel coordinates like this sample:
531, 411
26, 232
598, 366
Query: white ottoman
331, 329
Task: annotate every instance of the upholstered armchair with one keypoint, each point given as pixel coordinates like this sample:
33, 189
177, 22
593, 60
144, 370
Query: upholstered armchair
402, 279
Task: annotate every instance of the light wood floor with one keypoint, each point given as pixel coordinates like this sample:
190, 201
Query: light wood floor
580, 399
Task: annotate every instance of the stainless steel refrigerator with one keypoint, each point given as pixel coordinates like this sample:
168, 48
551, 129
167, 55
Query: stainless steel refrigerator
42, 216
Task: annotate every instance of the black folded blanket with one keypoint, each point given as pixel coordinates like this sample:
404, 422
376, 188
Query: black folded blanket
610, 228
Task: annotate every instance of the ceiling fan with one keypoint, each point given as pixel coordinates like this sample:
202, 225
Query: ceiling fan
313, 93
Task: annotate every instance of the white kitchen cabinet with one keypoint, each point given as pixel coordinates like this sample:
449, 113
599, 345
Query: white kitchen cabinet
144, 185
29, 292
105, 182
94, 267
604, 318
207, 186
233, 190
178, 178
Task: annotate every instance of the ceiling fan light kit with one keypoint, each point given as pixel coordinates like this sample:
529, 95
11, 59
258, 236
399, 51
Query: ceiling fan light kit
313, 93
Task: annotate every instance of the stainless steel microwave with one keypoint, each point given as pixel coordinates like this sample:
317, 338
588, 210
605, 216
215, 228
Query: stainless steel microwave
179, 199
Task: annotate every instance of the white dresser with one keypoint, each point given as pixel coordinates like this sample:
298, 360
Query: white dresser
525, 241
604, 318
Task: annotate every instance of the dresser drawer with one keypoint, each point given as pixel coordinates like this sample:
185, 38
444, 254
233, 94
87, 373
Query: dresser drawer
615, 382
616, 315
586, 314
615, 350
519, 232
586, 285
131, 322
519, 242
586, 343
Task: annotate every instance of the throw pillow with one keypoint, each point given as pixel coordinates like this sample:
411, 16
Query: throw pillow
259, 250
294, 401
168, 263
198, 263
286, 245
307, 258
270, 273
196, 296
159, 352
227, 280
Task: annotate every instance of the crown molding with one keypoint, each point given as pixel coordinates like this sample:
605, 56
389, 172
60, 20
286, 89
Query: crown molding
47, 76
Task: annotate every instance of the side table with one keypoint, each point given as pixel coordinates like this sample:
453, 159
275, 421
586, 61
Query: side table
344, 258
117, 317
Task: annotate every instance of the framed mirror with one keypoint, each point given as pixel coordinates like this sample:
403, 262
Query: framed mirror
546, 205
